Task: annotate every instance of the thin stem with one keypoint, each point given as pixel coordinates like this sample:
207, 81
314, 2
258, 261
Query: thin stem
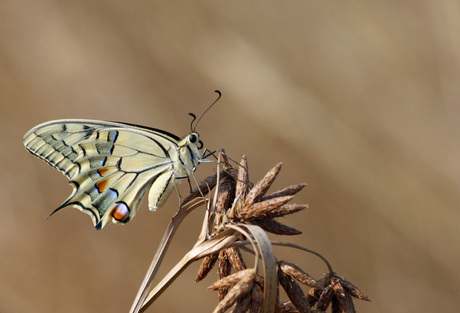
293, 245
243, 244
159, 255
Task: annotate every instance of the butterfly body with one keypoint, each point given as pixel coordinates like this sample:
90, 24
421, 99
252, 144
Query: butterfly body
111, 165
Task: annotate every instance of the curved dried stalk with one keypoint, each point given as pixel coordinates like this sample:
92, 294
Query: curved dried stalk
190, 203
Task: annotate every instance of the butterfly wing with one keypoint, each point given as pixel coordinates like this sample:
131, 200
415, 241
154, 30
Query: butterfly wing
110, 165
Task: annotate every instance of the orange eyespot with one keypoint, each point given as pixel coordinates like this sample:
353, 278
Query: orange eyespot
103, 171
101, 185
120, 211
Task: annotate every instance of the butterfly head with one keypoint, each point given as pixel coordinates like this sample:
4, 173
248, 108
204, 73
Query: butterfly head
189, 153
194, 139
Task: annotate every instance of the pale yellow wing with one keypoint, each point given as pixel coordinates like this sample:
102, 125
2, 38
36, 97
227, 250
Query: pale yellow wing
111, 165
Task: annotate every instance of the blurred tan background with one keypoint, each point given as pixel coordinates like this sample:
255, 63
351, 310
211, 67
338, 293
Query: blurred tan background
361, 101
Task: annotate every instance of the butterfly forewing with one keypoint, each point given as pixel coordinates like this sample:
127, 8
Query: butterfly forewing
111, 165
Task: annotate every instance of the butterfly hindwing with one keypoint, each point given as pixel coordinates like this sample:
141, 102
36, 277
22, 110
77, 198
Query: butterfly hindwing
111, 165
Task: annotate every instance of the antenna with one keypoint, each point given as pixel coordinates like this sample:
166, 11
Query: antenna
191, 124
194, 117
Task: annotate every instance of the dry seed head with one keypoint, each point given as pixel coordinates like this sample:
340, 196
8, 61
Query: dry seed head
352, 289
235, 258
258, 213
286, 307
243, 304
243, 289
231, 280
298, 274
237, 292
344, 301
335, 290
259, 209
257, 299
294, 292
325, 298
288, 191
224, 269
226, 190
259, 190
206, 266
283, 210
242, 182
275, 227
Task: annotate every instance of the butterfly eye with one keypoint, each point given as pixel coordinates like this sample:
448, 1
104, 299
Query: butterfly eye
192, 138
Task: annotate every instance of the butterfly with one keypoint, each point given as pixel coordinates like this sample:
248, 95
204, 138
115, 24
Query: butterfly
111, 165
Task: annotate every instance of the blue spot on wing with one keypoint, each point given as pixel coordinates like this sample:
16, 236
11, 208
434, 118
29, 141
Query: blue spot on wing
113, 135
113, 193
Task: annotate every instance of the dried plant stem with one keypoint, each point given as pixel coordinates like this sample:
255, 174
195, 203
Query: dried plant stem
239, 214
244, 243
293, 245
161, 251
200, 251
